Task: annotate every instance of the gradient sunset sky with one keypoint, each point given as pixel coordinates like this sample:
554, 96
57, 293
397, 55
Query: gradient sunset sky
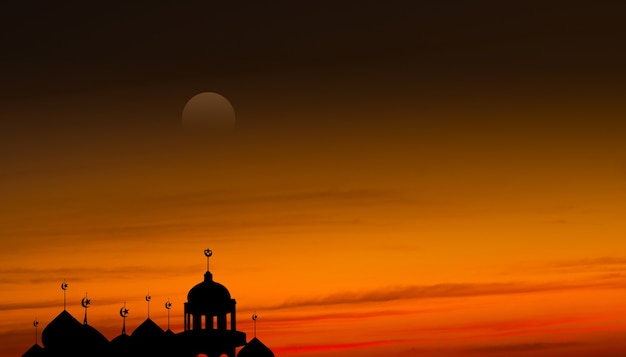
441, 179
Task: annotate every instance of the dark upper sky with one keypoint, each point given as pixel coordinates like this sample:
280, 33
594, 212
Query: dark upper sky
70, 67
72, 47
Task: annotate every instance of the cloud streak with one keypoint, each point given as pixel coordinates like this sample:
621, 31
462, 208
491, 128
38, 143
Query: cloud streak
140, 215
524, 347
454, 290
586, 266
130, 272
332, 347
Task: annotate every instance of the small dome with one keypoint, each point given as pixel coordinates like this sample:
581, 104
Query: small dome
34, 351
209, 297
148, 330
121, 346
169, 333
93, 337
121, 341
255, 348
147, 339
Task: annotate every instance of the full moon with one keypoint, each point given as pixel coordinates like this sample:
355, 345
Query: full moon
209, 113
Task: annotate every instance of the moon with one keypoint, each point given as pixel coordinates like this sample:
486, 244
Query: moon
208, 113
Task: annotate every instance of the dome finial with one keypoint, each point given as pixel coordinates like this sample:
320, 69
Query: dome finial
124, 314
148, 298
254, 317
208, 253
64, 287
36, 325
85, 302
168, 306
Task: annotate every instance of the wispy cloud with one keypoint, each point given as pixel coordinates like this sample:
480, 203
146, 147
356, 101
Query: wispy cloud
596, 265
331, 347
28, 305
504, 327
454, 290
307, 318
162, 215
524, 347
591, 263
130, 272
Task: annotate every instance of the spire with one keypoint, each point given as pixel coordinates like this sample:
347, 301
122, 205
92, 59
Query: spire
208, 276
124, 314
36, 325
208, 253
168, 306
64, 287
254, 317
148, 298
85, 302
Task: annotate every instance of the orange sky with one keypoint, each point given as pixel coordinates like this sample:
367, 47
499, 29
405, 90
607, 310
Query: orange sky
442, 182
466, 236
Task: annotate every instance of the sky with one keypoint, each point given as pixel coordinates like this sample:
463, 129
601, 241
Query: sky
442, 178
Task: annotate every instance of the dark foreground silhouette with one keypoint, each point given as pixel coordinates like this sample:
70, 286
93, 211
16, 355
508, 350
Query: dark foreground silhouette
210, 329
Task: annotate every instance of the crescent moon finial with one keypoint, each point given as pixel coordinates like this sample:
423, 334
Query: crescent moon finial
254, 317
124, 312
85, 302
168, 306
36, 324
148, 298
207, 253
64, 287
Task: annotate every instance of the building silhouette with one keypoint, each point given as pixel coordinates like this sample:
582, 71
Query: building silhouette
210, 329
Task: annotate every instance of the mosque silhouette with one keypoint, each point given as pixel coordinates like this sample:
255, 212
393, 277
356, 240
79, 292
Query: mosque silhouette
210, 329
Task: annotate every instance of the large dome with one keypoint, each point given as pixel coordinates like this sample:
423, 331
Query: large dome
209, 297
66, 336
63, 332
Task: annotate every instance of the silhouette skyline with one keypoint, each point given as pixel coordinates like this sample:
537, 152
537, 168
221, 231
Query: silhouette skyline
210, 329
433, 178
